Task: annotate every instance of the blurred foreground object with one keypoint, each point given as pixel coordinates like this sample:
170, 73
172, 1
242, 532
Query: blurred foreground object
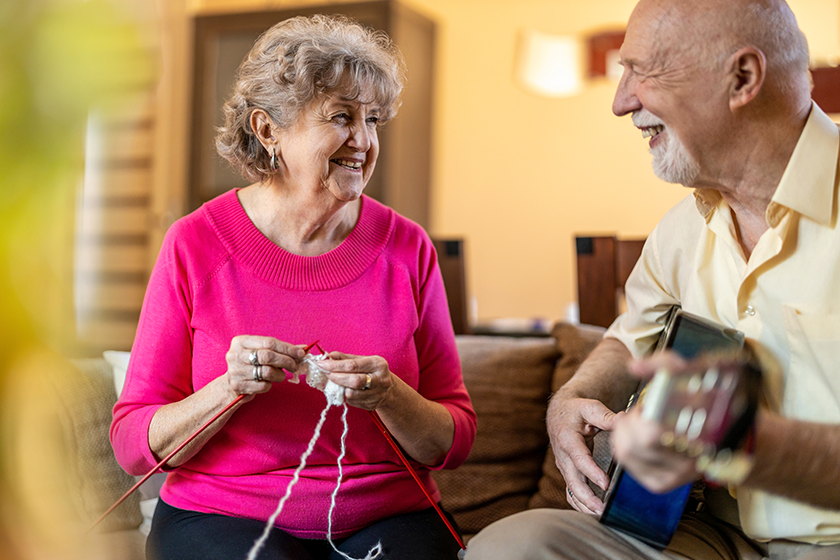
59, 59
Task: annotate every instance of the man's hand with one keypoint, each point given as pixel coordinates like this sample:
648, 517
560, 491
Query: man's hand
580, 409
638, 441
637, 445
573, 423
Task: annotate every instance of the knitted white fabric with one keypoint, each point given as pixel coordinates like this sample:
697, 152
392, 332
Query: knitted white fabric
316, 377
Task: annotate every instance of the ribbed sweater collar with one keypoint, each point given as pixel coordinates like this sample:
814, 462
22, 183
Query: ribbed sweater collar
273, 264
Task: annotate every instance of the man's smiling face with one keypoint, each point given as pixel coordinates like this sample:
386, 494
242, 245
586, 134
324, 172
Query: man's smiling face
673, 98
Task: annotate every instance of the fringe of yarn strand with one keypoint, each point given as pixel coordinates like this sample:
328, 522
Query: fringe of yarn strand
316, 377
252, 554
376, 550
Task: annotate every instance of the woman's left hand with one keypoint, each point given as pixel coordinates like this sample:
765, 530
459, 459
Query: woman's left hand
367, 380
424, 428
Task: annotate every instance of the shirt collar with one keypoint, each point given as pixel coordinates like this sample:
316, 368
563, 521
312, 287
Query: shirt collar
706, 200
807, 185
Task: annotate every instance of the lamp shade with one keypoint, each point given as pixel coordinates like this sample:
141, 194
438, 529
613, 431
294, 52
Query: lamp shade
549, 65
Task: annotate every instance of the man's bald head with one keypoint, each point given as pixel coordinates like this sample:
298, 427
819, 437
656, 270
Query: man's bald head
709, 31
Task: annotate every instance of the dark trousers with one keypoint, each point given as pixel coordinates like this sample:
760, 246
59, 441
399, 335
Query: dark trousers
188, 535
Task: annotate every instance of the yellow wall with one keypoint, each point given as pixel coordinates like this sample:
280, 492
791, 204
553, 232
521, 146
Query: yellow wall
518, 175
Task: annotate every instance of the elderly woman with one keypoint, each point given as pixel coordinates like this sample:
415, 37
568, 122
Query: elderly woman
255, 274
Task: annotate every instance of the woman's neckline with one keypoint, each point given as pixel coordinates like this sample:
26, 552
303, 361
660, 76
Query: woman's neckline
323, 237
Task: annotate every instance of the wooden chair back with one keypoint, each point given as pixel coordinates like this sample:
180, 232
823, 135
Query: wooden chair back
451, 261
603, 265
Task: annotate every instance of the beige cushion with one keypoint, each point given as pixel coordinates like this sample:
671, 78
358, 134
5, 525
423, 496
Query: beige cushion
87, 402
509, 380
56, 419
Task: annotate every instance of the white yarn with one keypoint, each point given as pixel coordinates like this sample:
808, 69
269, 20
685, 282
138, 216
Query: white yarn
252, 554
376, 550
317, 377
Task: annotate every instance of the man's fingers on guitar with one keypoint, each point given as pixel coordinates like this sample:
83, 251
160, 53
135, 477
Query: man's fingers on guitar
581, 498
569, 472
593, 506
596, 414
586, 465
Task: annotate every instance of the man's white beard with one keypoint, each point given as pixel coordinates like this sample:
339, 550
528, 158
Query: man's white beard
672, 163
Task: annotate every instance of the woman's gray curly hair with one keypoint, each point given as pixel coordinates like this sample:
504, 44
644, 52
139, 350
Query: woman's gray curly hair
297, 61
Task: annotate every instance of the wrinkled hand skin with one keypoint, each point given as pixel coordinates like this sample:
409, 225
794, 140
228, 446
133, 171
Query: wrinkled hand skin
572, 429
584, 406
351, 372
275, 357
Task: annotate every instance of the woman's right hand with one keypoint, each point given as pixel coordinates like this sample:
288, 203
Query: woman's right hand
572, 424
174, 422
255, 362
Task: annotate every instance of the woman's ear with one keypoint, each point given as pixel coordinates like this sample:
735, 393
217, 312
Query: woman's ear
748, 71
263, 128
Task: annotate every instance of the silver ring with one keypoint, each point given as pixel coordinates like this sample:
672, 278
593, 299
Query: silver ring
253, 358
258, 373
367, 383
569, 490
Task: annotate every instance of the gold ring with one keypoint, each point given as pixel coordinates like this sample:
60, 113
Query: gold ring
367, 383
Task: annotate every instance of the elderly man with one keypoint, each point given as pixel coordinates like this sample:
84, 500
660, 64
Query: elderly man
721, 88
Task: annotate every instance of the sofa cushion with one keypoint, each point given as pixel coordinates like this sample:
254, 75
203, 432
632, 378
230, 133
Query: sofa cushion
89, 400
574, 343
118, 361
56, 417
509, 380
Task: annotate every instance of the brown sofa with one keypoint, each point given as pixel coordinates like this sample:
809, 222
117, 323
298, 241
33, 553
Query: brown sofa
511, 465
510, 468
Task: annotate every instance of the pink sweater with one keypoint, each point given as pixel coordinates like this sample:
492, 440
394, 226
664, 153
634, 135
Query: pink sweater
379, 293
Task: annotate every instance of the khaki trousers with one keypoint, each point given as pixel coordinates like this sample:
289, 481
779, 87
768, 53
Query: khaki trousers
554, 534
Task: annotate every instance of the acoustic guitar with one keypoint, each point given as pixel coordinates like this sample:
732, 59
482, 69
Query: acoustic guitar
704, 412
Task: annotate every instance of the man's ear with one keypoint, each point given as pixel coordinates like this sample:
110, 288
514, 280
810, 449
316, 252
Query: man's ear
263, 128
748, 70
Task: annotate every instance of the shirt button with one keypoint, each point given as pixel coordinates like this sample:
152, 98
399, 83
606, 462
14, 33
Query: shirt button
750, 310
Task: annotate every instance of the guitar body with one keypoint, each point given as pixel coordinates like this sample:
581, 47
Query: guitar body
629, 506
636, 511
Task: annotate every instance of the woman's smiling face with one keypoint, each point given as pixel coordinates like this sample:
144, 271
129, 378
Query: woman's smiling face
333, 146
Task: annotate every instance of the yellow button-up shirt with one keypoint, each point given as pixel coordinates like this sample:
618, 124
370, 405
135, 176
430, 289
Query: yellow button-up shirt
786, 296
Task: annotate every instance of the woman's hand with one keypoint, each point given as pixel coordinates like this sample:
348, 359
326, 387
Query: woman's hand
367, 381
424, 429
174, 422
572, 424
255, 362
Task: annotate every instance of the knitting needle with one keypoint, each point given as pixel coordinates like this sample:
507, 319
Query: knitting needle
382, 428
175, 451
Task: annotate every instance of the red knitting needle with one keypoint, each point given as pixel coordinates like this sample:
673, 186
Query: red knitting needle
176, 450
384, 429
